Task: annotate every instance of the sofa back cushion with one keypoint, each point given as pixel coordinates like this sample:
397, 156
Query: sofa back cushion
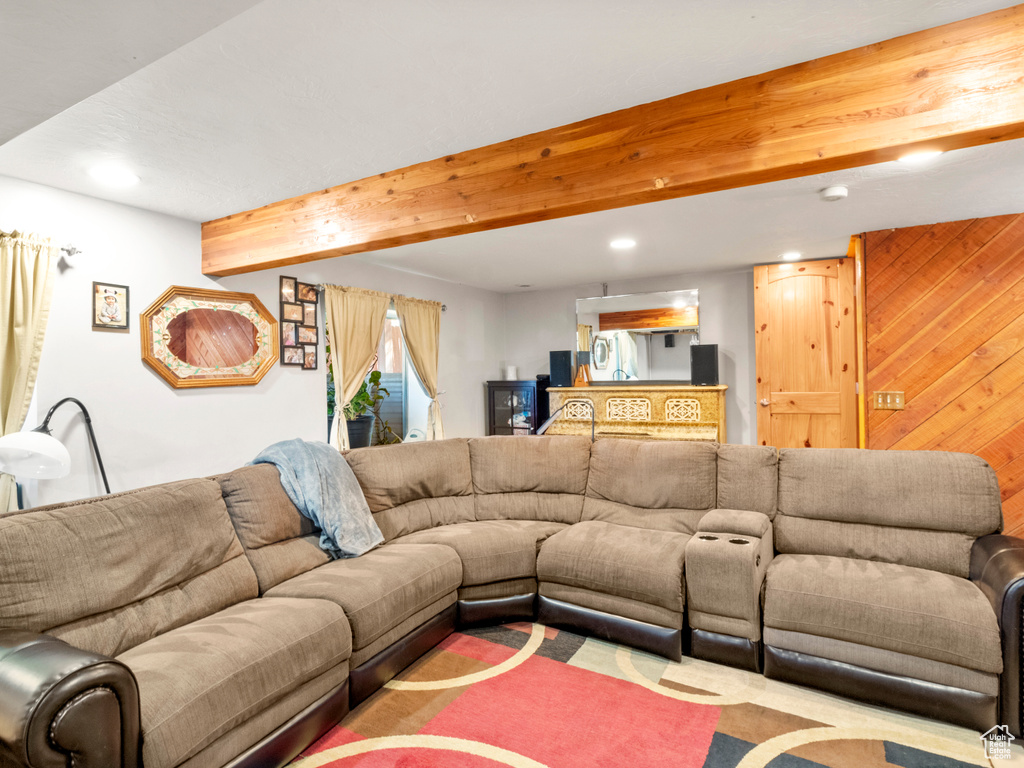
661, 484
413, 486
748, 478
279, 541
107, 574
530, 478
917, 508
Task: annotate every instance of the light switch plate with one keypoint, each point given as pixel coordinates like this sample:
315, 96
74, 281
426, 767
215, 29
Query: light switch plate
888, 401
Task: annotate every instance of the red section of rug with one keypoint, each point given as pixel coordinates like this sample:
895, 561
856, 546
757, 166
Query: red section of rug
415, 758
567, 717
412, 757
475, 648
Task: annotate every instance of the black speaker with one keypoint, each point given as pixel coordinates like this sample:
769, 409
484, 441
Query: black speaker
543, 401
561, 368
704, 365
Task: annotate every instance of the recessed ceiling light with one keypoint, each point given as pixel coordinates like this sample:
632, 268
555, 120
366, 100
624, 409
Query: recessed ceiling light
919, 158
792, 256
113, 175
623, 243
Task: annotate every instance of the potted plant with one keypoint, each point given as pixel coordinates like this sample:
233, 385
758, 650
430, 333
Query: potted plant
383, 434
359, 413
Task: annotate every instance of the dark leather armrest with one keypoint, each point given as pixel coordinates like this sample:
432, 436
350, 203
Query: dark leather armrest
62, 706
997, 567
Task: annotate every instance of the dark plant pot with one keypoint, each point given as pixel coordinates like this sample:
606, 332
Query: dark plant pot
360, 430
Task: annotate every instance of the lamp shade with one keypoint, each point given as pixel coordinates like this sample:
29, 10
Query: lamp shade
33, 454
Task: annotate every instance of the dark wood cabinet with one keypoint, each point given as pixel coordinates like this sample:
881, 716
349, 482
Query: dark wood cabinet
511, 407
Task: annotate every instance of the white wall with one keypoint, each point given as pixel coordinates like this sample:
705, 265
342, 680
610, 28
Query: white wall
147, 431
540, 321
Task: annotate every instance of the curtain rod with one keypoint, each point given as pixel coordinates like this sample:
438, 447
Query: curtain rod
69, 249
320, 289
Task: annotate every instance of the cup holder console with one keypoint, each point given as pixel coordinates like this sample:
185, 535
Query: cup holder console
709, 537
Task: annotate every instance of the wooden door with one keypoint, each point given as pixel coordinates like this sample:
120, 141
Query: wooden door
805, 318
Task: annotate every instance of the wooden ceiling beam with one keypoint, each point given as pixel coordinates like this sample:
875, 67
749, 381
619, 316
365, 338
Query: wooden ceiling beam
945, 88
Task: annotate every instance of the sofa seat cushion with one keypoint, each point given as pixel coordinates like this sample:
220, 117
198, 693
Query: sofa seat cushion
491, 550
883, 605
381, 589
634, 563
199, 681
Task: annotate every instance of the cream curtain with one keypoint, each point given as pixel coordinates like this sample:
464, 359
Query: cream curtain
583, 338
355, 321
27, 265
421, 329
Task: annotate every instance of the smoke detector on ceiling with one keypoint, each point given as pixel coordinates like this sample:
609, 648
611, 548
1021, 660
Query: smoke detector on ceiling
831, 194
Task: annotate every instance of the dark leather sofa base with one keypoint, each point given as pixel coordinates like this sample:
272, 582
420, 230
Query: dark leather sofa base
725, 649
498, 610
284, 744
940, 702
369, 676
638, 634
997, 566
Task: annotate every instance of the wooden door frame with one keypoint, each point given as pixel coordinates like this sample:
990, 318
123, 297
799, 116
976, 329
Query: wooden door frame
856, 252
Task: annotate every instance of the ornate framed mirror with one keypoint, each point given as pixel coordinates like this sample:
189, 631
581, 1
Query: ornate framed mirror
194, 337
601, 353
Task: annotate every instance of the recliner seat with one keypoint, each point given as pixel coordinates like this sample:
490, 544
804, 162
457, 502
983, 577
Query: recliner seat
870, 594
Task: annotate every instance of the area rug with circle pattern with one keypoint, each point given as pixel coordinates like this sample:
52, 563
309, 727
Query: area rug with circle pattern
530, 696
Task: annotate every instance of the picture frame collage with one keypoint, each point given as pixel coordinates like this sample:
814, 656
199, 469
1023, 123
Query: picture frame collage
298, 323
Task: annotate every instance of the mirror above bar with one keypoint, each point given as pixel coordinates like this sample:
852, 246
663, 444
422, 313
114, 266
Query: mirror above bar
633, 338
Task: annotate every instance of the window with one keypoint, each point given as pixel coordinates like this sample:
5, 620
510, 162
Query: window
405, 393
391, 364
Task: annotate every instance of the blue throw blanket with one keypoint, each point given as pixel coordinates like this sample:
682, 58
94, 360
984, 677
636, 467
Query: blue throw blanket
320, 483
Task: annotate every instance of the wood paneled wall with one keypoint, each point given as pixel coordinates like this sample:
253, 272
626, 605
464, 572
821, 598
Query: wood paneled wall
945, 325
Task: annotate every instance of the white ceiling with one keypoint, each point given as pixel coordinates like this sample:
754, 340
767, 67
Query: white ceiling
225, 106
55, 54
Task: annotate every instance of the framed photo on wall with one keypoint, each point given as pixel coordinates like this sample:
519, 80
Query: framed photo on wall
309, 362
288, 289
109, 306
288, 338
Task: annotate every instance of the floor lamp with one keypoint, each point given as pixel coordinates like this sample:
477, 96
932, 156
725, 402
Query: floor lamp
38, 454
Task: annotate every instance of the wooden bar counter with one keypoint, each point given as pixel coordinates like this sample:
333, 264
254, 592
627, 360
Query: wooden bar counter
641, 411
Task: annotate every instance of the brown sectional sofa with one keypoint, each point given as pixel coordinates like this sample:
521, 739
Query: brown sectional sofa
198, 623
